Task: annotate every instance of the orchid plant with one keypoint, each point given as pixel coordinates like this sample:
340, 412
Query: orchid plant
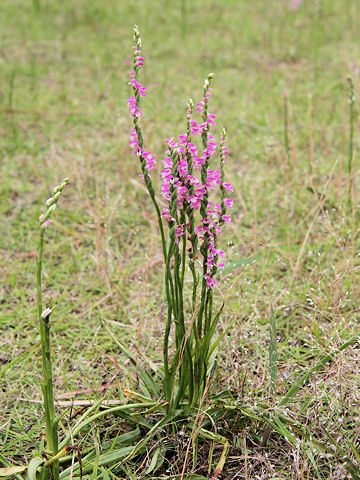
194, 221
44, 320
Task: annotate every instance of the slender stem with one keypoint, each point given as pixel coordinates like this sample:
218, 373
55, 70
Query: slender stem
286, 127
167, 387
48, 393
351, 124
351, 139
190, 212
183, 256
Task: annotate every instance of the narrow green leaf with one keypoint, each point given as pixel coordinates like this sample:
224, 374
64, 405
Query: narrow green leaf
204, 349
219, 338
352, 469
153, 462
236, 264
313, 462
157, 459
146, 378
17, 360
13, 470
272, 351
167, 420
33, 466
105, 475
280, 428
293, 390
195, 477
354, 449
98, 461
79, 426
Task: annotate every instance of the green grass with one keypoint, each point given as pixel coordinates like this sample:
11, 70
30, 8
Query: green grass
63, 91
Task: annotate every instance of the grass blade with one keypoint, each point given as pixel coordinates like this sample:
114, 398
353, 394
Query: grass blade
33, 466
272, 351
290, 394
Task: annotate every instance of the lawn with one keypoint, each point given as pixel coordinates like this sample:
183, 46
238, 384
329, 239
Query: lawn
281, 90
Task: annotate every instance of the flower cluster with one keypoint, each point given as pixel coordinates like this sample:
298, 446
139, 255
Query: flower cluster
183, 159
148, 156
190, 190
45, 218
139, 90
134, 107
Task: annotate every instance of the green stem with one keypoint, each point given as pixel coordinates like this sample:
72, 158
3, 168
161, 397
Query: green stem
351, 140
286, 128
351, 124
48, 392
167, 386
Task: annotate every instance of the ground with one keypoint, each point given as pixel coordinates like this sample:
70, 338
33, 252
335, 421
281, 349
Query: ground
64, 73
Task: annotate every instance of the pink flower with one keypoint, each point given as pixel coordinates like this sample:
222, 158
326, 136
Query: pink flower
179, 232
133, 108
47, 223
228, 202
354, 69
228, 186
150, 160
137, 86
139, 60
226, 218
210, 119
183, 138
194, 127
166, 214
134, 142
210, 282
200, 107
295, 4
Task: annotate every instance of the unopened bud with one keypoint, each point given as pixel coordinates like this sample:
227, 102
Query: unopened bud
64, 182
49, 211
50, 201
